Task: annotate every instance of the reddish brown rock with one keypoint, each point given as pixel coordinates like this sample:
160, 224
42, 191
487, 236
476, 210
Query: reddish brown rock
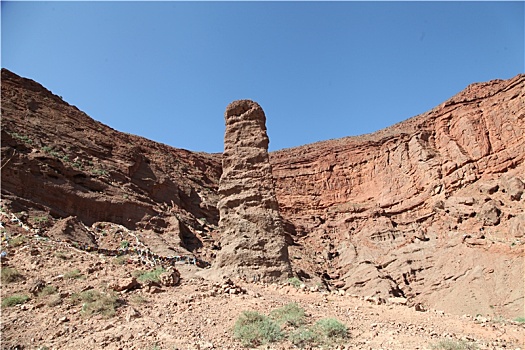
251, 229
383, 214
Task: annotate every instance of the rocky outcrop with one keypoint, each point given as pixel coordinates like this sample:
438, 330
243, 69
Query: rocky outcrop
251, 230
58, 162
376, 213
430, 209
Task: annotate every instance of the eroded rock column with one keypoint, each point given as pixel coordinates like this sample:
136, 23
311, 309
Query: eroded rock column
252, 234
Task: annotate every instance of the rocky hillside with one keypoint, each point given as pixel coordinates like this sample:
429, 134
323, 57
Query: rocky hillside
430, 210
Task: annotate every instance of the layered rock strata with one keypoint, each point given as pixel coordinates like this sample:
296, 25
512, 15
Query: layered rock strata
251, 231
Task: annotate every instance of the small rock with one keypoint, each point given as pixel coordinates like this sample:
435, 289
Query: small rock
419, 307
170, 277
124, 284
37, 286
131, 313
155, 290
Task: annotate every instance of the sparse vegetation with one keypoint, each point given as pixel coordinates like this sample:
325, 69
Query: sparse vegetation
14, 300
10, 275
47, 290
39, 220
99, 172
331, 329
138, 299
95, 302
17, 241
303, 336
294, 281
77, 165
149, 276
47, 149
450, 344
253, 329
124, 244
74, 274
520, 319
289, 315
22, 138
54, 300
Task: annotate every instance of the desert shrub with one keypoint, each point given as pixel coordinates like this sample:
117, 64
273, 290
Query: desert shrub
303, 337
124, 244
10, 275
450, 344
331, 329
254, 329
294, 281
149, 276
95, 302
138, 299
520, 319
54, 300
289, 315
74, 274
47, 290
17, 241
15, 300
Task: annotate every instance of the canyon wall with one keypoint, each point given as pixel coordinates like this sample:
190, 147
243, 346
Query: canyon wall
430, 209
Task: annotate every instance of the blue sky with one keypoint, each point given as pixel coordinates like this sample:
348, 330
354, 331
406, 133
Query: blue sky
320, 70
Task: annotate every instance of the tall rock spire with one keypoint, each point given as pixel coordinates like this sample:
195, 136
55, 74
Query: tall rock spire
251, 230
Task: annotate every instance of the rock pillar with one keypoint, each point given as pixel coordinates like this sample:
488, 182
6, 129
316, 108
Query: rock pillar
251, 230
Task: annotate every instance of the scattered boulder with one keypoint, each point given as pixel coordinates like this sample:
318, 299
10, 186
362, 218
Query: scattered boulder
37, 286
517, 226
170, 277
515, 188
490, 214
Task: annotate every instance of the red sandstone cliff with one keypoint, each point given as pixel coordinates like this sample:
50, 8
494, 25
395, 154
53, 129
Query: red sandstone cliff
431, 209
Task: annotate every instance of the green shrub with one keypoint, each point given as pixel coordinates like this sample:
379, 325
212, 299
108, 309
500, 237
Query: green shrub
289, 315
294, 281
303, 336
47, 290
449, 344
331, 329
17, 241
54, 300
74, 274
149, 276
95, 302
520, 319
254, 329
10, 275
14, 300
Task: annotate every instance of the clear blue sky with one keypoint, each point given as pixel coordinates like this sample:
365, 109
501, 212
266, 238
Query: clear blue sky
320, 70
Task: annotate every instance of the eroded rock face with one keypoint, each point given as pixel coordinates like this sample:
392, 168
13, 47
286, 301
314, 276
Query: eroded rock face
251, 229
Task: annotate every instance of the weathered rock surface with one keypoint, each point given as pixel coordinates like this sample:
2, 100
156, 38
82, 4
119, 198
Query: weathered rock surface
58, 162
251, 230
387, 211
409, 211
